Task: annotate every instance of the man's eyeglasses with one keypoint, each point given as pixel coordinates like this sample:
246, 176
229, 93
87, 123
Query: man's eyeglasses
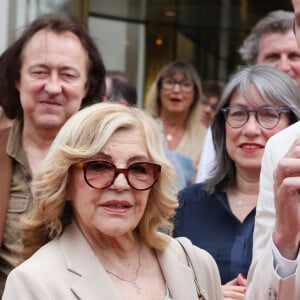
266, 116
102, 174
185, 85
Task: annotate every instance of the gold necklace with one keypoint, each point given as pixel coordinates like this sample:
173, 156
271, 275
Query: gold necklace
169, 137
132, 281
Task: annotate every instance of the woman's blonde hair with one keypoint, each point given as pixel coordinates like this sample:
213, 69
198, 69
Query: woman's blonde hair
81, 138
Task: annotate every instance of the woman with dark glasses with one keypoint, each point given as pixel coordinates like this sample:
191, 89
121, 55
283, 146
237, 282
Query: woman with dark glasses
218, 215
103, 200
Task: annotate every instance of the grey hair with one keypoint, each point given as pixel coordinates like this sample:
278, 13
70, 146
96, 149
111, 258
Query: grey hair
274, 87
278, 21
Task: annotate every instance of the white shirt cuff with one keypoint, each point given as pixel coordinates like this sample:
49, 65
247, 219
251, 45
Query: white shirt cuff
284, 267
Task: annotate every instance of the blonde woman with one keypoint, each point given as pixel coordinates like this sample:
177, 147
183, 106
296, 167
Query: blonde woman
175, 98
102, 198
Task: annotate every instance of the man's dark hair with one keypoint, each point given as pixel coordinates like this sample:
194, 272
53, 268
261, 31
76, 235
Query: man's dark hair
11, 60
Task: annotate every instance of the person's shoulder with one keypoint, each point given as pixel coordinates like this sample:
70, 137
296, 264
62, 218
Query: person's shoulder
182, 159
191, 195
41, 274
208, 272
175, 249
182, 163
42, 261
204, 257
193, 190
204, 265
195, 198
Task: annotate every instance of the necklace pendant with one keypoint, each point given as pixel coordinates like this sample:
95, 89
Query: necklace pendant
136, 286
169, 137
239, 202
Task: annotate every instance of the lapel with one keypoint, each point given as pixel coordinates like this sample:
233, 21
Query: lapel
91, 280
178, 275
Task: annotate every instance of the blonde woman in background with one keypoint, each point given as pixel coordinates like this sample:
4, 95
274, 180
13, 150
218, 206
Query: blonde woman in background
175, 98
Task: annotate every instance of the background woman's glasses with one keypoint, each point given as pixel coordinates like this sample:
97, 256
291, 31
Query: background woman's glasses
185, 85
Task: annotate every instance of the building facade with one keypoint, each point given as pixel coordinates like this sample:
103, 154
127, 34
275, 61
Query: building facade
138, 37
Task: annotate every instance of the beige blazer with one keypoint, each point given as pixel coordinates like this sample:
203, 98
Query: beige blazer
67, 268
263, 282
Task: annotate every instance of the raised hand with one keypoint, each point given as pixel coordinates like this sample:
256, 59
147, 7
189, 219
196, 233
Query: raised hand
286, 234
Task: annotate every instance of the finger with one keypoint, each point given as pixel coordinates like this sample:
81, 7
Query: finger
233, 282
242, 281
287, 167
234, 294
287, 196
230, 290
294, 150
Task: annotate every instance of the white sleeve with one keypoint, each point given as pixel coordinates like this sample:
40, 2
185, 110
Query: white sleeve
284, 267
207, 158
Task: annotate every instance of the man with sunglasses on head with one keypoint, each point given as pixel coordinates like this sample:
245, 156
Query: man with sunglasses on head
275, 270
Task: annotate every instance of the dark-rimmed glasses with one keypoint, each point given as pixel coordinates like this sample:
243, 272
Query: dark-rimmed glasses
266, 116
185, 85
100, 174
